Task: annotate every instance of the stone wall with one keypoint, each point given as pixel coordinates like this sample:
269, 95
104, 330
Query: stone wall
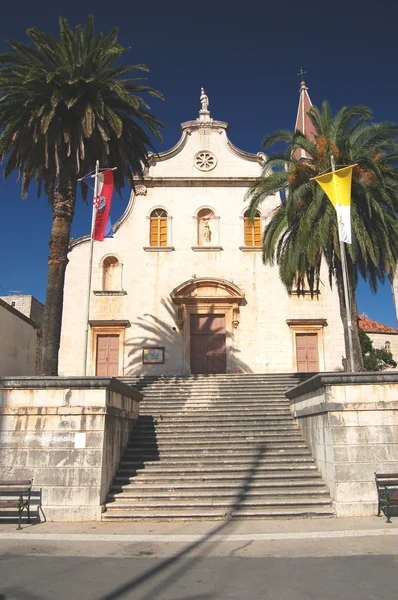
350, 422
68, 434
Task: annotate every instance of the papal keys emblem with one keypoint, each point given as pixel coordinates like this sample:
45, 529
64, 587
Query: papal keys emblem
99, 203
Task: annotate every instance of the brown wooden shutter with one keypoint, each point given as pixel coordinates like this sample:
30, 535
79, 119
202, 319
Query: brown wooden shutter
257, 241
163, 231
158, 228
252, 231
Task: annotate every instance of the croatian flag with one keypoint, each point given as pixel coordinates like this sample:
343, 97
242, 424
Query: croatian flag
101, 225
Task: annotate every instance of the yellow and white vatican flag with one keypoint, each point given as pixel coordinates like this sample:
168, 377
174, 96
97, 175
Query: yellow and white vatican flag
337, 187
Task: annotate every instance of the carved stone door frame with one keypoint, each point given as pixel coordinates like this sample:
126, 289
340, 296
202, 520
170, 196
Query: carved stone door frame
207, 296
308, 326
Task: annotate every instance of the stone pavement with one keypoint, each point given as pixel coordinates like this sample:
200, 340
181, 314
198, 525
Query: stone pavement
266, 529
353, 558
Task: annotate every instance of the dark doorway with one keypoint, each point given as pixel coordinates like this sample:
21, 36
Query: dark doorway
208, 344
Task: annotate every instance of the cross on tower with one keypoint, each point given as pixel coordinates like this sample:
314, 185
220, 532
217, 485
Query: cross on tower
301, 74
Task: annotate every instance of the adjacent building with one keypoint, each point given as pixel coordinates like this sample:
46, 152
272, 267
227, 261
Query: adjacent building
19, 336
382, 336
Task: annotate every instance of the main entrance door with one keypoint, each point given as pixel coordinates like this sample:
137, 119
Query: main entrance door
208, 344
107, 355
307, 352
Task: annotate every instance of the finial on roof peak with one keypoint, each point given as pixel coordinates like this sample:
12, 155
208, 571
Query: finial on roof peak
301, 74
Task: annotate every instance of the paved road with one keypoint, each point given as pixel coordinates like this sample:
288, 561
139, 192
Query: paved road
330, 566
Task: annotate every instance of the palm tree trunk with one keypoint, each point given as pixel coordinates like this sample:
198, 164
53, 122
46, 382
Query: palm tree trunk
63, 207
357, 354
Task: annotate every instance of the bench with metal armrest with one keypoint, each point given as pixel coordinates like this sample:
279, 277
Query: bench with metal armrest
16, 494
387, 492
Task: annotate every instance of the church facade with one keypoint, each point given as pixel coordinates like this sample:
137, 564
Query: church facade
181, 287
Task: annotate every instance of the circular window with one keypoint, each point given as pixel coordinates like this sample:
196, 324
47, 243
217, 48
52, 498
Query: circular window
205, 160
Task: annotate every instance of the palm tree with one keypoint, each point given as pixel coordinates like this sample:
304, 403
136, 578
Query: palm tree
65, 103
302, 233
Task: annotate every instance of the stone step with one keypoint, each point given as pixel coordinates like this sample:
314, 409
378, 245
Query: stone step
241, 501
201, 448
215, 487
166, 422
214, 513
181, 419
212, 433
228, 470
180, 379
188, 419
271, 444
202, 396
226, 494
210, 441
245, 394
225, 384
125, 463
234, 409
197, 453
239, 478
217, 478
208, 431
165, 428
217, 390
132, 453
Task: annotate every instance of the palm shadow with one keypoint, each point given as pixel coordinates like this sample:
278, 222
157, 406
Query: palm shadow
205, 544
164, 332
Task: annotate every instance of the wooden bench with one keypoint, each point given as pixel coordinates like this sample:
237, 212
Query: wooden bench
16, 494
387, 492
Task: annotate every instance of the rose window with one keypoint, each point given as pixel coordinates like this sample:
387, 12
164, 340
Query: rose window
205, 161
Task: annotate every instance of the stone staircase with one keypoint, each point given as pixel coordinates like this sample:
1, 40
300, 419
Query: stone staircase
216, 447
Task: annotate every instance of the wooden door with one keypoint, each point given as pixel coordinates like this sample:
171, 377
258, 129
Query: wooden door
208, 344
307, 352
107, 355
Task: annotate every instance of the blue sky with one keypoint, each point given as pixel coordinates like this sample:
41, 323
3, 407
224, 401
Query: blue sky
246, 56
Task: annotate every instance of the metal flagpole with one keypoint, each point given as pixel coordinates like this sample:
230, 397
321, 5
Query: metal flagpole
90, 269
345, 286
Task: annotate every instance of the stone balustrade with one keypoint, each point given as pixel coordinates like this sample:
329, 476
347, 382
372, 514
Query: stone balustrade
350, 421
68, 433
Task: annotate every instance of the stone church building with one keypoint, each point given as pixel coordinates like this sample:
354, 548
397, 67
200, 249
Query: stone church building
181, 287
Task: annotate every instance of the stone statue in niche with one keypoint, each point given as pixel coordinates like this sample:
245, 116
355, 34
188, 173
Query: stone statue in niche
206, 232
204, 100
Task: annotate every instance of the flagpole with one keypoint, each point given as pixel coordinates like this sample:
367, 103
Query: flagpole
90, 269
345, 287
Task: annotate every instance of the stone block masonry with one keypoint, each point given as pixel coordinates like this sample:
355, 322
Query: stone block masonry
350, 422
68, 433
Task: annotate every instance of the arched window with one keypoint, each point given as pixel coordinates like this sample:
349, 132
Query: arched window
252, 229
110, 274
387, 347
158, 228
206, 229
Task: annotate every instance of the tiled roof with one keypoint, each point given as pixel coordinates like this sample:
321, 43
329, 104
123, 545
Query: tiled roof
370, 326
